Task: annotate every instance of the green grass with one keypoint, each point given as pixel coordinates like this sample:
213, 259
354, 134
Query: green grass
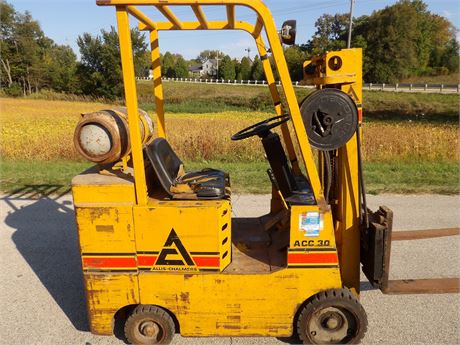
251, 177
452, 79
16, 175
187, 97
412, 177
378, 106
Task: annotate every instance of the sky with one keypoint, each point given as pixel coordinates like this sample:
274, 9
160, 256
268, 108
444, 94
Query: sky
64, 20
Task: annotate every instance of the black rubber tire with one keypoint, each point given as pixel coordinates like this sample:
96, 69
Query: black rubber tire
342, 299
159, 316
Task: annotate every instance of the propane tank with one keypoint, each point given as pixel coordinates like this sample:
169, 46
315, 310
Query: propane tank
103, 136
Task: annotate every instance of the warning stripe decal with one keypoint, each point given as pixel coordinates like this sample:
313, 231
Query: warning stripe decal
206, 261
146, 260
109, 262
128, 261
313, 258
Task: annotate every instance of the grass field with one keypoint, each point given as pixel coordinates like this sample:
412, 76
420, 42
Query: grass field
452, 79
251, 177
416, 152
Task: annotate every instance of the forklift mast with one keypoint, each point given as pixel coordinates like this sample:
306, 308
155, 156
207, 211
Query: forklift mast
339, 157
362, 236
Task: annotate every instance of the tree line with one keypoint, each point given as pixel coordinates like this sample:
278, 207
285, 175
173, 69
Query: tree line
399, 41
175, 66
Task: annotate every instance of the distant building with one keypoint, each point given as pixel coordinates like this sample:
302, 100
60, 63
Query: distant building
205, 69
196, 70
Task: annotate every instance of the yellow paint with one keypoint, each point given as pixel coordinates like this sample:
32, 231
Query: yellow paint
157, 84
348, 78
235, 304
201, 226
105, 295
97, 228
129, 81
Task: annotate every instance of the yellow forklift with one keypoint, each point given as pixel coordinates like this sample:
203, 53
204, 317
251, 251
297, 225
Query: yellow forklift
160, 250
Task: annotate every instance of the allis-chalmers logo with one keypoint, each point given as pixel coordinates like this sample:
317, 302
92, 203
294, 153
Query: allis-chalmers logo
174, 254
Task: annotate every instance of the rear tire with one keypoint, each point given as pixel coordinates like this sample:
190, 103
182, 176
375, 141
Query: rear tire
149, 325
332, 317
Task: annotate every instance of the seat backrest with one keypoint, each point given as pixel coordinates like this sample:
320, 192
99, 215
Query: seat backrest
164, 161
279, 164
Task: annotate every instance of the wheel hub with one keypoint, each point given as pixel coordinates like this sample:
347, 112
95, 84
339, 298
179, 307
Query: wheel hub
329, 326
332, 321
149, 329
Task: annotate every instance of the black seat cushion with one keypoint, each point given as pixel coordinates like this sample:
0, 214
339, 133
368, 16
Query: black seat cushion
205, 184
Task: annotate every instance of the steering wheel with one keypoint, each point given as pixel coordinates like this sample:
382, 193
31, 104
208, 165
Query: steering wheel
261, 128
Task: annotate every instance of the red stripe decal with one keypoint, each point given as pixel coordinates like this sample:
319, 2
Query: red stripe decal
206, 261
144, 260
312, 258
109, 262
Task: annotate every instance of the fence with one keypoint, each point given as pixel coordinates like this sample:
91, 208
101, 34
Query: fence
427, 88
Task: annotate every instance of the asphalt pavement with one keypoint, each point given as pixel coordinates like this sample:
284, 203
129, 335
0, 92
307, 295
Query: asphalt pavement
42, 300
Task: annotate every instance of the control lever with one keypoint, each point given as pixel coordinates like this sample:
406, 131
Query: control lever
272, 178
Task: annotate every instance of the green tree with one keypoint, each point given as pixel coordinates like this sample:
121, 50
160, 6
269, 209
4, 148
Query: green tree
61, 68
167, 65
99, 71
180, 68
257, 71
330, 33
174, 66
450, 56
29, 60
143, 63
295, 58
401, 40
208, 54
404, 40
244, 70
227, 68
7, 45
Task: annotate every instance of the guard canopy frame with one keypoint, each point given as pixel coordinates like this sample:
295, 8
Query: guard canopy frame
264, 22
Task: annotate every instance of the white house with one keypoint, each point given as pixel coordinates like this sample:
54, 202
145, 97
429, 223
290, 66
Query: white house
205, 69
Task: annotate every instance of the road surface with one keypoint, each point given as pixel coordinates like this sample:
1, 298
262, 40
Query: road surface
42, 300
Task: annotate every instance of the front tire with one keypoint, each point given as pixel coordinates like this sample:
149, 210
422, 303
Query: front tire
149, 325
332, 317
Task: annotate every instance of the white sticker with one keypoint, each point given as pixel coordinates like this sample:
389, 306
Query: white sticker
311, 223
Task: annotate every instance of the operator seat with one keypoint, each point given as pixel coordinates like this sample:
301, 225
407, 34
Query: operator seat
170, 175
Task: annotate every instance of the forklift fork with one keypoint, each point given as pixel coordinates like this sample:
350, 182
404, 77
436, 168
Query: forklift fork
376, 251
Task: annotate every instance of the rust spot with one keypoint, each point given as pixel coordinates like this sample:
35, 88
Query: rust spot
185, 297
105, 228
234, 318
188, 276
226, 326
97, 212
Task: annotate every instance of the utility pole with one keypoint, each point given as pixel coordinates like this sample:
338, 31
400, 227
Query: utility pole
217, 60
249, 52
350, 24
